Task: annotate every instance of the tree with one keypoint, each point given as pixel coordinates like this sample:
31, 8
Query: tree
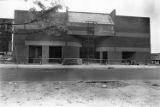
47, 17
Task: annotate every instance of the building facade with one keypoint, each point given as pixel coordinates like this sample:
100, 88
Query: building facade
109, 38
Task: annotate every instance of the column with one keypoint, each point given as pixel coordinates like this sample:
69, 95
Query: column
101, 56
45, 54
26, 60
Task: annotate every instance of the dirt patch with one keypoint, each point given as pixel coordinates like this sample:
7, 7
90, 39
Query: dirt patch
79, 94
155, 84
107, 84
152, 83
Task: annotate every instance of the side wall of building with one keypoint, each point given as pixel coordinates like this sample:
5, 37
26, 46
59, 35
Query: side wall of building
21, 51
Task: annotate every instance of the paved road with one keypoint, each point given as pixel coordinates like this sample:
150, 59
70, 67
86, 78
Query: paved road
72, 74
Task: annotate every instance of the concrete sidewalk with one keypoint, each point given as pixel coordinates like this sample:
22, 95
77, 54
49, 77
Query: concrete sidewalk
59, 66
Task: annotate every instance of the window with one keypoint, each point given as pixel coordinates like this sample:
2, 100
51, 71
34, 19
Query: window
35, 54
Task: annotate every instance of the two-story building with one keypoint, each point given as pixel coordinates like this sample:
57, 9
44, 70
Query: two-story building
100, 36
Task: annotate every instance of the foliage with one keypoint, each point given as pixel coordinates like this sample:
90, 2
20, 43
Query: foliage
47, 17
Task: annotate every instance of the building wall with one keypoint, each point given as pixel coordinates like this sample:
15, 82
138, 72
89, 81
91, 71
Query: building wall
99, 29
70, 52
20, 49
123, 42
132, 24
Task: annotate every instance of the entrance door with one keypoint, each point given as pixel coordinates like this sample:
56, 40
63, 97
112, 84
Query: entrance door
55, 54
35, 54
105, 57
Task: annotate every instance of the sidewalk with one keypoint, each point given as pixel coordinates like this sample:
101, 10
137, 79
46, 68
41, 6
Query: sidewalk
90, 66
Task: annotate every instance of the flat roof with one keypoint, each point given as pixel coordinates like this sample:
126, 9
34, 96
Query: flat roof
84, 17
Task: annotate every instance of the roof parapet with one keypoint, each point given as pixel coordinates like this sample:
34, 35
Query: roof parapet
113, 14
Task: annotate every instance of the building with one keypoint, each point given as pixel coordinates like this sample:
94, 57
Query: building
5, 35
155, 57
109, 38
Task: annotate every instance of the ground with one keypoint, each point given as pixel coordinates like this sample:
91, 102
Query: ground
128, 93
116, 86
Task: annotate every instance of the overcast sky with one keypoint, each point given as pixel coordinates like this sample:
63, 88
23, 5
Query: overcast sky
145, 8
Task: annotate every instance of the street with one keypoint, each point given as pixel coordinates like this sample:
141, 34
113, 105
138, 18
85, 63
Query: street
72, 74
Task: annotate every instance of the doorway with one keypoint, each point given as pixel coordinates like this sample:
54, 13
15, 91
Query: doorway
105, 57
55, 54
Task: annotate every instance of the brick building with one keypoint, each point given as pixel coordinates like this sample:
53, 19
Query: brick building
110, 37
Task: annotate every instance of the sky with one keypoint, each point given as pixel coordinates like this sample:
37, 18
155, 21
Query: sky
144, 8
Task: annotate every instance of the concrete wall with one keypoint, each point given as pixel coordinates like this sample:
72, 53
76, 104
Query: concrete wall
70, 52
